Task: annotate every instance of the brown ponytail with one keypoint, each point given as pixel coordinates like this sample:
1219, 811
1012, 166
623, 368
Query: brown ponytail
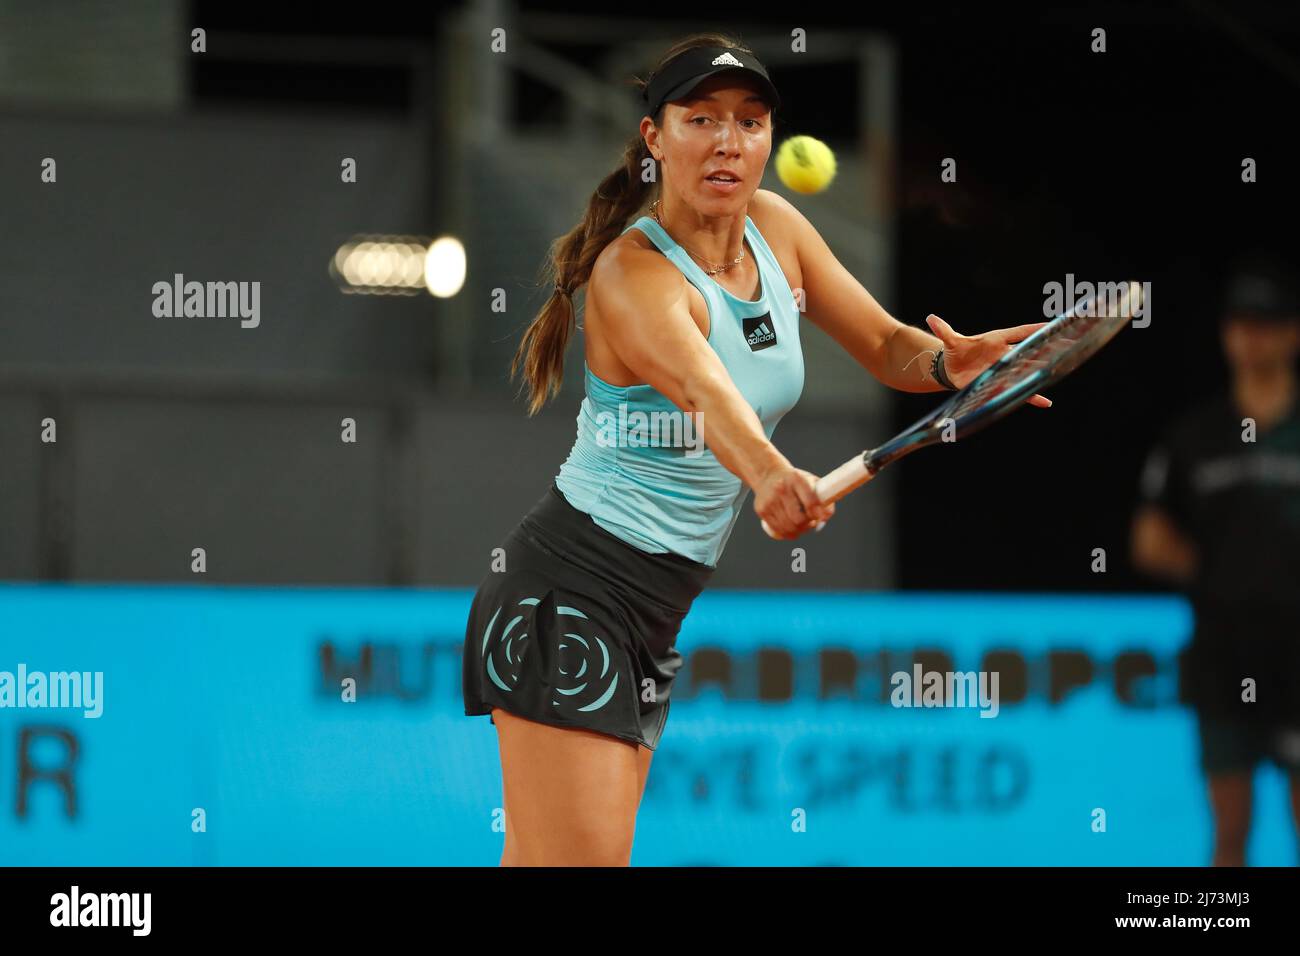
620, 194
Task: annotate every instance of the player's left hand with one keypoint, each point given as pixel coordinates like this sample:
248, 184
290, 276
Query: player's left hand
965, 356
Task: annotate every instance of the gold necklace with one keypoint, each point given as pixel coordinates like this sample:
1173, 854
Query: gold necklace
654, 210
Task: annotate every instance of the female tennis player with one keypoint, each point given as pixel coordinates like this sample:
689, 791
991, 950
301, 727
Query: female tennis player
690, 317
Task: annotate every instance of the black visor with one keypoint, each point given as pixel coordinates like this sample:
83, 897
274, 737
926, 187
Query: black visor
687, 70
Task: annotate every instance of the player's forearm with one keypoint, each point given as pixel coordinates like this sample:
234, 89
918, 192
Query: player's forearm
731, 429
1158, 550
907, 354
1174, 565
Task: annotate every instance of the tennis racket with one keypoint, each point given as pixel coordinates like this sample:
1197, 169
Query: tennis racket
1047, 356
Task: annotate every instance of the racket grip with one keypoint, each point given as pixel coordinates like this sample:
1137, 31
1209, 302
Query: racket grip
834, 485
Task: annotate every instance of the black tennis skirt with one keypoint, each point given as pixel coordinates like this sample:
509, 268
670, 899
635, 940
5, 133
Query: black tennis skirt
579, 628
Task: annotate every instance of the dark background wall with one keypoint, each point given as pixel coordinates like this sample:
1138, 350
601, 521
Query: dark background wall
178, 431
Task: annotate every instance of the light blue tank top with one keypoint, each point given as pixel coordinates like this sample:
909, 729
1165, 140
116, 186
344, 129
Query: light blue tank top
639, 465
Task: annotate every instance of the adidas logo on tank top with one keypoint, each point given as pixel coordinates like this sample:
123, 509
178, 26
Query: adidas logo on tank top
758, 333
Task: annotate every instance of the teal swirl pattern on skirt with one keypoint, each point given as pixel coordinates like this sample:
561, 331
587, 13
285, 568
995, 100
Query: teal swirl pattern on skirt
580, 628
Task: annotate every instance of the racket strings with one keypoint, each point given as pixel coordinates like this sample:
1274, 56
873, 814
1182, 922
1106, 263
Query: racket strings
1045, 357
1060, 347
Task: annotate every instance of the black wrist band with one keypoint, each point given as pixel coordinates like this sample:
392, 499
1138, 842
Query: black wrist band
938, 372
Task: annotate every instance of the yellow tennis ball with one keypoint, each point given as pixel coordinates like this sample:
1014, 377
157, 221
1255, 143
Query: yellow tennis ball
805, 164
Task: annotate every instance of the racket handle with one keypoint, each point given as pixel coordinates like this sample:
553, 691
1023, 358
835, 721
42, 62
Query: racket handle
834, 485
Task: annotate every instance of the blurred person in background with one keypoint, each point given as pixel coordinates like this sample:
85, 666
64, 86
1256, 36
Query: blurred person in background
1220, 517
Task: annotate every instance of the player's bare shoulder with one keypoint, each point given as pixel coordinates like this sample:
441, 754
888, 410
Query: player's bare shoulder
777, 216
632, 270
772, 207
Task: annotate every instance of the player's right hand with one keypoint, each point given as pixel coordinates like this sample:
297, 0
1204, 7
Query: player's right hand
786, 498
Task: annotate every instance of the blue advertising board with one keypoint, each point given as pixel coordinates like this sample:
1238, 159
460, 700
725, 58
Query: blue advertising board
216, 733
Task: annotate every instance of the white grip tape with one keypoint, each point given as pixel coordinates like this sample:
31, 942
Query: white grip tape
834, 485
